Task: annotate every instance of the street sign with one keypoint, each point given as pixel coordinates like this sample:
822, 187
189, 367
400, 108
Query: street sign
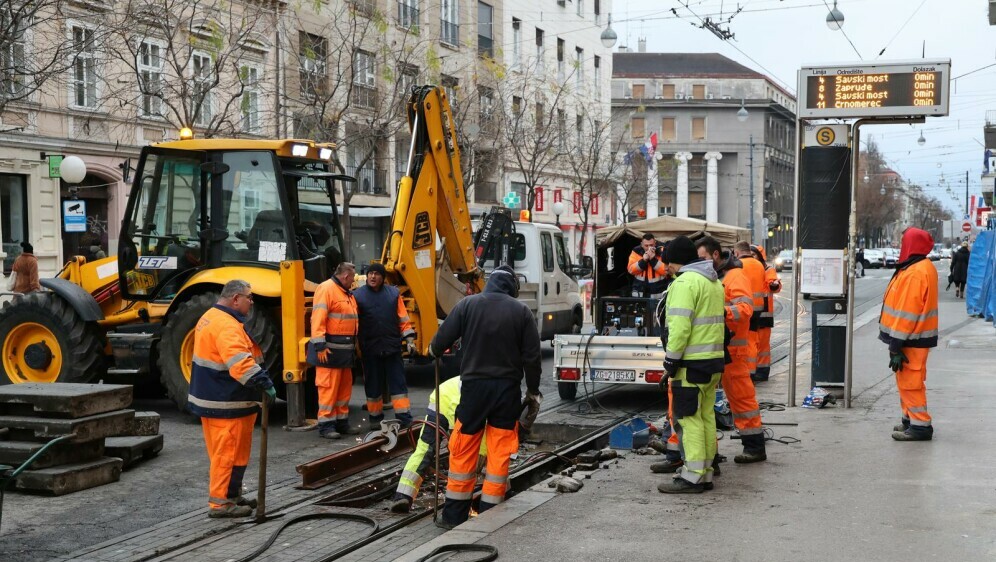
54, 160
966, 226
74, 215
512, 200
892, 89
825, 136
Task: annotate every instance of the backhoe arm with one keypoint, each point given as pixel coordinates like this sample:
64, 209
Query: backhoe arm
431, 202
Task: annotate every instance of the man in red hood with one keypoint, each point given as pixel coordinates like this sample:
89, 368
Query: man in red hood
908, 323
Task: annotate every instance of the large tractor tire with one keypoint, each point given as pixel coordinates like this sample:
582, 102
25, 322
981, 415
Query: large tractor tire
43, 339
176, 345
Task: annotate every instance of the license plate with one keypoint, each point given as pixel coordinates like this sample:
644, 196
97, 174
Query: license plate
614, 375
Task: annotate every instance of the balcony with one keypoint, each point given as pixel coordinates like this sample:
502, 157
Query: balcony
369, 181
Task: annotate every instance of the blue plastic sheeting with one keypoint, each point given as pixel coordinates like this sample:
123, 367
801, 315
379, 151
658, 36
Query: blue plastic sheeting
980, 289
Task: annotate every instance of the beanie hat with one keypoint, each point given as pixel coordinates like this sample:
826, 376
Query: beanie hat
681, 251
377, 268
27, 247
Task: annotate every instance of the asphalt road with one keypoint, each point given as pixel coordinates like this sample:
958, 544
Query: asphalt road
174, 483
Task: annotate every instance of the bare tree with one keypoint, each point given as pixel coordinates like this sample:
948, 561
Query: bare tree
35, 48
191, 63
353, 86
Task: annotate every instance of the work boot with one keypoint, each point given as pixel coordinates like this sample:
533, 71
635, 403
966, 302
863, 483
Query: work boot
753, 449
230, 510
716, 471
246, 501
444, 525
329, 434
679, 485
902, 426
914, 434
375, 422
345, 429
400, 503
669, 466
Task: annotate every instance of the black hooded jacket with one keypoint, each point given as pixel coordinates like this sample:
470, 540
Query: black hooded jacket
498, 335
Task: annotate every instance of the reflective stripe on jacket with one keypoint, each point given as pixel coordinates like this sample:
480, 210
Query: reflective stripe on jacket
759, 288
226, 378
739, 309
653, 273
768, 315
909, 313
695, 318
333, 312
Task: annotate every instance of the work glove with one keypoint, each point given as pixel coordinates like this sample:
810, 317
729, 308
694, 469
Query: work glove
896, 360
270, 395
775, 285
532, 403
410, 345
670, 368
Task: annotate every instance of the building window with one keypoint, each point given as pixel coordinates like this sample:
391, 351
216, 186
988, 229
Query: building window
540, 52
84, 57
408, 14
561, 45
579, 126
517, 107
669, 132
598, 78
14, 205
249, 75
639, 90
579, 71
638, 127
698, 128
486, 192
667, 91
449, 22
150, 76
698, 91
516, 43
598, 12
406, 80
485, 32
450, 85
486, 101
364, 79
203, 76
312, 60
697, 167
540, 116
696, 204
12, 54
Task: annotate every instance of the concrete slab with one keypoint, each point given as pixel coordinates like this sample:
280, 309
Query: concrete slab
86, 428
144, 423
16, 452
132, 449
66, 400
68, 478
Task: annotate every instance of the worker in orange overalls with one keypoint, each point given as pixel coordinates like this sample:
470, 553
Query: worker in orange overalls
334, 326
767, 321
226, 381
500, 345
646, 265
759, 288
908, 323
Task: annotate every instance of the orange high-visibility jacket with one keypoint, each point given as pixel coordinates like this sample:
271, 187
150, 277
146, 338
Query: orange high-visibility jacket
739, 308
333, 312
909, 313
645, 271
226, 377
759, 288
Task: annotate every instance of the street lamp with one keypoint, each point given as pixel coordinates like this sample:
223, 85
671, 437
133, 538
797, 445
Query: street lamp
921, 141
835, 18
742, 114
72, 170
558, 209
609, 36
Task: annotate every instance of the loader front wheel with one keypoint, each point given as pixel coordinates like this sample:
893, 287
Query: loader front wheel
43, 339
176, 346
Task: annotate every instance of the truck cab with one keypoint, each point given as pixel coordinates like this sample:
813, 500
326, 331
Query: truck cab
548, 279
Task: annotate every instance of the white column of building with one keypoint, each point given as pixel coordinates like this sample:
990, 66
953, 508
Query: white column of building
712, 185
653, 193
682, 199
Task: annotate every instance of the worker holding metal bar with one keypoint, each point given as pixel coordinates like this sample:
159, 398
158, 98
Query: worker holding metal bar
500, 344
420, 461
225, 384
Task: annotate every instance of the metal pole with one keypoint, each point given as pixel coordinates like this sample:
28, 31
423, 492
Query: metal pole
966, 194
852, 233
750, 223
794, 321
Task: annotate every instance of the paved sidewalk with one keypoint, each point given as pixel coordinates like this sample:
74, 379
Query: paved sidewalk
846, 491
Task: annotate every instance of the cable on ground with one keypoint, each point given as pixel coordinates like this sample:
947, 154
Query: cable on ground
306, 517
492, 552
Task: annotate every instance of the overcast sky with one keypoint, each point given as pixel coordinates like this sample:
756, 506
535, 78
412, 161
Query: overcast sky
777, 37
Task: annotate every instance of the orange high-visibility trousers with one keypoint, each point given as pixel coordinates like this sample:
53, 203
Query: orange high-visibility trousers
740, 392
910, 380
764, 352
464, 452
229, 442
754, 344
673, 447
334, 389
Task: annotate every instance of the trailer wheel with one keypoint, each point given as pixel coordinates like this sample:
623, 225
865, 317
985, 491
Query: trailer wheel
567, 390
578, 321
176, 347
43, 339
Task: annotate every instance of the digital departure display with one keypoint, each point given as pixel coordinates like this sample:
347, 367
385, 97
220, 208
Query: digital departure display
888, 90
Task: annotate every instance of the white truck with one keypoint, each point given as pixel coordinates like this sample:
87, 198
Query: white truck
547, 278
624, 346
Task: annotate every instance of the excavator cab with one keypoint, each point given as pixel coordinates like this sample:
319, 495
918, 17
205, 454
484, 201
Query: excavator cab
206, 204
